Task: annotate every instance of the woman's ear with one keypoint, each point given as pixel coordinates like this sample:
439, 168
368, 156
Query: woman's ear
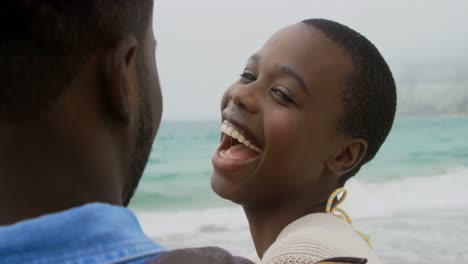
120, 81
348, 156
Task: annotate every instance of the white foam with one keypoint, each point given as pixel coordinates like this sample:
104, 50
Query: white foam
223, 227
447, 191
194, 221
228, 228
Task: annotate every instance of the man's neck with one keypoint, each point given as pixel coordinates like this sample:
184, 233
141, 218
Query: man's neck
40, 175
267, 222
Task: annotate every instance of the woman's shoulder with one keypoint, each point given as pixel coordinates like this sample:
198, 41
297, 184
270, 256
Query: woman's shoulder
316, 237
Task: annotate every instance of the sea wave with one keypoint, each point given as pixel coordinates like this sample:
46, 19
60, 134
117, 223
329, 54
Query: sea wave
445, 191
368, 203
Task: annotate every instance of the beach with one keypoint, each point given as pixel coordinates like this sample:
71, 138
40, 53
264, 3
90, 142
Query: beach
410, 198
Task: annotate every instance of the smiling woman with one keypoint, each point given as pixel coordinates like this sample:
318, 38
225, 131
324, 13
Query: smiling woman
299, 122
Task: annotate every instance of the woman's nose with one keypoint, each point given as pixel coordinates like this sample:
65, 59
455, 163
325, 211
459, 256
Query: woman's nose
244, 97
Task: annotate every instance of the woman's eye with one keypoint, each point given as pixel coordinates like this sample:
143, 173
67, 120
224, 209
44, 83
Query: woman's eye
247, 77
281, 97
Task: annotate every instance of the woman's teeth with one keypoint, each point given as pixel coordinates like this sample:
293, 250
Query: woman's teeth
227, 129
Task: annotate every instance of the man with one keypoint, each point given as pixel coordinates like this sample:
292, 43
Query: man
80, 106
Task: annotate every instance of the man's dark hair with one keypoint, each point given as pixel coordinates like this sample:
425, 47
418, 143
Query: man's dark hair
45, 43
369, 94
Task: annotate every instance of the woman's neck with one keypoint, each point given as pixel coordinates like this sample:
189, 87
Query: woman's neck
267, 222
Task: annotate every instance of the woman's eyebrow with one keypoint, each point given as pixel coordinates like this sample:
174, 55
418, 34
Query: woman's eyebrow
255, 58
296, 76
286, 70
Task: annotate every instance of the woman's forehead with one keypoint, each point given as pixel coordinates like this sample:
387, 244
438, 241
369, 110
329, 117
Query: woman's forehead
302, 46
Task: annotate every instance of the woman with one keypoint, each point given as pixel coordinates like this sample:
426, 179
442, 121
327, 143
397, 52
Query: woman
310, 108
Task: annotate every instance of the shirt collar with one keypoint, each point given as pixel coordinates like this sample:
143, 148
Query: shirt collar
95, 231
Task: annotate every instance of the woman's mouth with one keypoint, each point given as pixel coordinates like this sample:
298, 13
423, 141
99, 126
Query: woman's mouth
236, 149
235, 145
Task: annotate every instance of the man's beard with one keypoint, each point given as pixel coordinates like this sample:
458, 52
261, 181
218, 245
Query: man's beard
142, 150
144, 138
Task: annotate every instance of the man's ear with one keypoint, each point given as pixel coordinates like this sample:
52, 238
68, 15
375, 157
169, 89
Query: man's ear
120, 78
348, 156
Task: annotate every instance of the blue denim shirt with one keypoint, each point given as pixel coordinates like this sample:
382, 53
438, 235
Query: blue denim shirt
93, 233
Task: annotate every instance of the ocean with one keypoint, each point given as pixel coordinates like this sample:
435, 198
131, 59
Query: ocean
410, 198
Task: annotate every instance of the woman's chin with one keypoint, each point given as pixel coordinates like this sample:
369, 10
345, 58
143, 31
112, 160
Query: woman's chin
225, 189
220, 186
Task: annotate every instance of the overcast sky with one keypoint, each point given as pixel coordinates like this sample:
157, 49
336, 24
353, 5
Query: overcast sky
204, 44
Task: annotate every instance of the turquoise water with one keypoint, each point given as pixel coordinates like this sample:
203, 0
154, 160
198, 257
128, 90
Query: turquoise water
179, 170
421, 146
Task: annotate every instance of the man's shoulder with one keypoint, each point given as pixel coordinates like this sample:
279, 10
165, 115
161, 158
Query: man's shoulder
199, 256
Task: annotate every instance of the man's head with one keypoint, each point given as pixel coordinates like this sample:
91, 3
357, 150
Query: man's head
80, 77
316, 101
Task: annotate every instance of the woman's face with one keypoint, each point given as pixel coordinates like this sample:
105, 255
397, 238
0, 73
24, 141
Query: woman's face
285, 107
